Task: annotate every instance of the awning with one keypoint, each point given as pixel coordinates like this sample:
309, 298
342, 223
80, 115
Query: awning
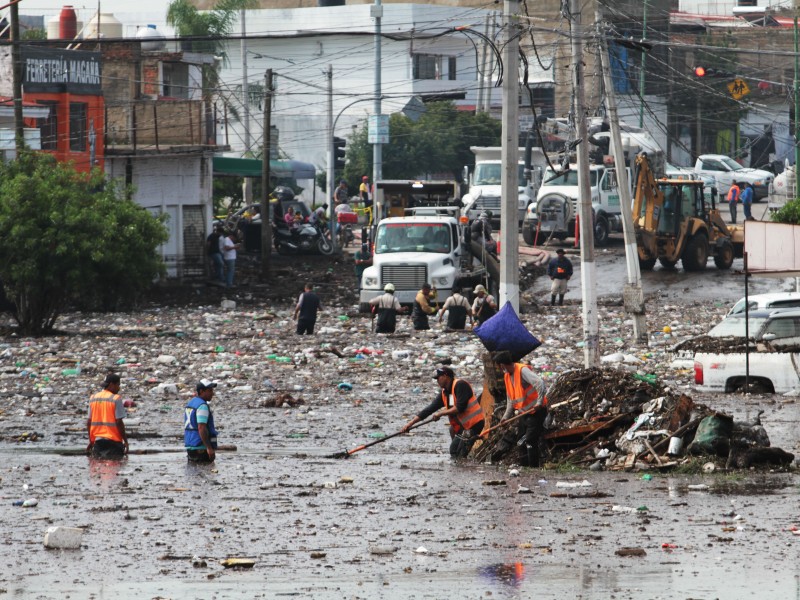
228, 166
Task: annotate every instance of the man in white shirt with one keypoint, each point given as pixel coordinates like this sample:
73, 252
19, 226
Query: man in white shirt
229, 247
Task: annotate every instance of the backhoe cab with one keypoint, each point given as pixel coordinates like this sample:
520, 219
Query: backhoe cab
673, 222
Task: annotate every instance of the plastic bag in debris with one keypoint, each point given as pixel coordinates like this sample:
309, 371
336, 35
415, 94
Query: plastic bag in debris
504, 331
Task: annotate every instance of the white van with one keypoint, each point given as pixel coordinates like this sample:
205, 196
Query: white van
767, 301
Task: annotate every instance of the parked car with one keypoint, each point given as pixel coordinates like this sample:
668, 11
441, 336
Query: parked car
726, 170
766, 302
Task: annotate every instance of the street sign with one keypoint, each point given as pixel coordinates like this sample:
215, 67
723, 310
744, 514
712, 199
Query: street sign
738, 89
378, 132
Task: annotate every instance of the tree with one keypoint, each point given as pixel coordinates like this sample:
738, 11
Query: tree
437, 143
71, 238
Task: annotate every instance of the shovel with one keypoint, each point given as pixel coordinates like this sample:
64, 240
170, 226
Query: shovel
347, 453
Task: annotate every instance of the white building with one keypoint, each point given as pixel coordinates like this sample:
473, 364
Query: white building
300, 44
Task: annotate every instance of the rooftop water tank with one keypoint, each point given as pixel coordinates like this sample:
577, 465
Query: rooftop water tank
155, 41
53, 27
67, 23
109, 27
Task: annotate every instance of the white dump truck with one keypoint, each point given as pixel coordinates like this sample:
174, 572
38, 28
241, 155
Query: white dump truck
485, 181
429, 245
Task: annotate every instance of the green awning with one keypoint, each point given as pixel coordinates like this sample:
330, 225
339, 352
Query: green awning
227, 166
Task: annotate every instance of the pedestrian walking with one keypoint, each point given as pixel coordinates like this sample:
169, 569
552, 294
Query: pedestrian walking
733, 197
107, 436
305, 312
484, 306
363, 259
458, 403
386, 306
746, 198
525, 393
199, 432
229, 247
422, 308
214, 253
559, 269
458, 309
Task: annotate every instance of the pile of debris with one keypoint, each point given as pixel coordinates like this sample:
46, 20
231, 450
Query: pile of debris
607, 418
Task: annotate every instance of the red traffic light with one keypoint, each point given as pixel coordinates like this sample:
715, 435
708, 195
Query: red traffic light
700, 71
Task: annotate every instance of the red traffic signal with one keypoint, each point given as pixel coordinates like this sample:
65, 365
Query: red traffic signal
700, 71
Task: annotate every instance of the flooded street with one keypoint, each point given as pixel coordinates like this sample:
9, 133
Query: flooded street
397, 520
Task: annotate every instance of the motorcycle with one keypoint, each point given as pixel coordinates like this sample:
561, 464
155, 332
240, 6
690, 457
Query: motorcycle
305, 239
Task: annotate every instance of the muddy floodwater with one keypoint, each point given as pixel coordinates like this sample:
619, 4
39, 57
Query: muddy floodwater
398, 520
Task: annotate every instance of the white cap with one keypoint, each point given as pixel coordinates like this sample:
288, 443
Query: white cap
389, 287
205, 384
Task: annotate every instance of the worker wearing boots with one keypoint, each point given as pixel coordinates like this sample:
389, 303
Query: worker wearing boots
559, 270
525, 393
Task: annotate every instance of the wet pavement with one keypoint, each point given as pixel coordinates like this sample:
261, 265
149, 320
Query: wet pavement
398, 520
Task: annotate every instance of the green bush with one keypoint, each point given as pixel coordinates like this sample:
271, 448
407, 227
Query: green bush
788, 213
71, 238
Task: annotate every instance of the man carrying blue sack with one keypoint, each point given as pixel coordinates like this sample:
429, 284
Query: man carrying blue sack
199, 433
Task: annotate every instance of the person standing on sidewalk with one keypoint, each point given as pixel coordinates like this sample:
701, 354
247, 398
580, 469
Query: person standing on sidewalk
214, 252
199, 433
733, 198
229, 247
746, 198
107, 437
305, 313
559, 270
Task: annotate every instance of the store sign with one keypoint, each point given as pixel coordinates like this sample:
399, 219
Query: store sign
57, 70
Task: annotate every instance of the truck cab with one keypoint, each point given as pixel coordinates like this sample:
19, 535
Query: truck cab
553, 212
429, 245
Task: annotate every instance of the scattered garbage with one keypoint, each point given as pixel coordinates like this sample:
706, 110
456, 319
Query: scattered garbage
67, 538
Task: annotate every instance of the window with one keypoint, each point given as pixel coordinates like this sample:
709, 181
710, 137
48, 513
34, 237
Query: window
175, 80
451, 68
427, 66
77, 126
49, 127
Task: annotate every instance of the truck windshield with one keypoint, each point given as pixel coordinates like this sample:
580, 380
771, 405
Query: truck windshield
490, 174
568, 178
734, 327
412, 237
730, 163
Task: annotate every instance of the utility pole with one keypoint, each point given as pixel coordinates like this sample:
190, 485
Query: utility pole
643, 63
509, 158
266, 215
377, 148
482, 71
487, 98
16, 75
796, 131
632, 293
330, 156
247, 182
588, 271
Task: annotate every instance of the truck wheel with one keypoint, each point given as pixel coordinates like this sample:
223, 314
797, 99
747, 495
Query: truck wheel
724, 256
695, 256
601, 231
528, 235
647, 264
667, 264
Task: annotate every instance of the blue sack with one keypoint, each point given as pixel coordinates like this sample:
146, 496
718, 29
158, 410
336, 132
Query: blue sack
504, 331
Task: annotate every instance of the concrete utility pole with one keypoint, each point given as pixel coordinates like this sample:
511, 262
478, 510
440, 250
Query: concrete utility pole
266, 215
16, 79
377, 148
247, 182
487, 97
642, 70
482, 71
509, 181
588, 271
632, 293
331, 174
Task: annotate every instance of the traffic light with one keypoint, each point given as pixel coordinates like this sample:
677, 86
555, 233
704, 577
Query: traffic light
703, 71
339, 153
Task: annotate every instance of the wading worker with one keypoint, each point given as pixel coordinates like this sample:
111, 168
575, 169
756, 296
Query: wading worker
199, 433
422, 308
525, 393
559, 270
305, 312
458, 403
107, 437
386, 306
458, 309
484, 307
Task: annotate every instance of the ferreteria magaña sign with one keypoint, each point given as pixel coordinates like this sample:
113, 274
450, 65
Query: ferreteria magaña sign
57, 70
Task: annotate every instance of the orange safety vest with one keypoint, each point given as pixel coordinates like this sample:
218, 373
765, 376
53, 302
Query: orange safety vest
471, 416
103, 420
517, 389
734, 197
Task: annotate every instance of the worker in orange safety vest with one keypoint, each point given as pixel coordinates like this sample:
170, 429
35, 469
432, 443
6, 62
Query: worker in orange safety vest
107, 437
525, 394
458, 403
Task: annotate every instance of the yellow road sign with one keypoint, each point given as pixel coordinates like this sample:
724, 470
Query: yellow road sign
738, 89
